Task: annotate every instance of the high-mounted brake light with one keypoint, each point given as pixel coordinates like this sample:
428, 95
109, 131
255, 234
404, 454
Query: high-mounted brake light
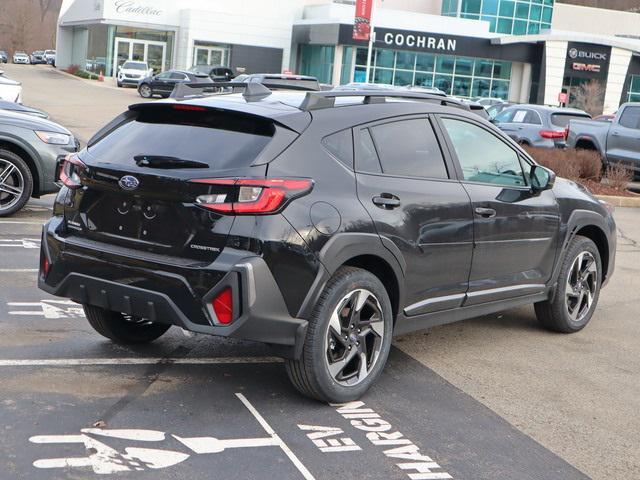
195, 108
552, 133
252, 196
70, 170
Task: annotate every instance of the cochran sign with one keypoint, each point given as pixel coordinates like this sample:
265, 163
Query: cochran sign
362, 22
424, 42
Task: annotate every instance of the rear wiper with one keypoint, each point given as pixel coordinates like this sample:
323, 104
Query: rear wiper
159, 161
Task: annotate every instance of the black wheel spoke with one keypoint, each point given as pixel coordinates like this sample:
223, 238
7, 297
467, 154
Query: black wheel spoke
581, 285
354, 337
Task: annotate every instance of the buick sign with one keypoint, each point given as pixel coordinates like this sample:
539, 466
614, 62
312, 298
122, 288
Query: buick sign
128, 182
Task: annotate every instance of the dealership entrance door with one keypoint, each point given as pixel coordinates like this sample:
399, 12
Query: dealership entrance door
153, 53
585, 93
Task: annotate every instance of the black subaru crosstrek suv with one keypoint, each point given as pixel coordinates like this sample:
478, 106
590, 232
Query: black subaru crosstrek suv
320, 223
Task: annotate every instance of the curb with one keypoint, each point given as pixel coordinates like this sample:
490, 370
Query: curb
632, 202
105, 84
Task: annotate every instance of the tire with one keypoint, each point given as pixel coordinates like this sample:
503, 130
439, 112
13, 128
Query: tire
16, 183
321, 372
121, 328
119, 84
570, 309
145, 90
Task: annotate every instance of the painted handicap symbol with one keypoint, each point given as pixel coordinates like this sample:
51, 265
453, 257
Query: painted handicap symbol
106, 460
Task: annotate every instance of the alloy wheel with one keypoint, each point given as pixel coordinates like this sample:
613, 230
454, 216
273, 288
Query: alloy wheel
145, 91
582, 284
11, 185
354, 337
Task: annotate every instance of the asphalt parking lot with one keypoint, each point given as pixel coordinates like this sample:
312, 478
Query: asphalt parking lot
495, 397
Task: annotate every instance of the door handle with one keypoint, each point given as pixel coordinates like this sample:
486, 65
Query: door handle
485, 212
615, 134
386, 201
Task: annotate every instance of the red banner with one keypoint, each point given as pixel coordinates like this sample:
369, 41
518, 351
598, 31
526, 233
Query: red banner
362, 22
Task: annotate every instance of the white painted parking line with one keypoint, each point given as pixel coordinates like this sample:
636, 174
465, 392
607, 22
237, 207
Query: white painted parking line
267, 428
48, 309
14, 222
29, 243
81, 362
18, 270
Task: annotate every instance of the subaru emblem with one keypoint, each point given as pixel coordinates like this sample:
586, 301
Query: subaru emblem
128, 182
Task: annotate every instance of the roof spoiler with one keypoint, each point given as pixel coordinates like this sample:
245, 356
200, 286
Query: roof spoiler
250, 91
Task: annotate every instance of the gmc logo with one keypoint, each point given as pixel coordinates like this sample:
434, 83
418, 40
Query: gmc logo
584, 67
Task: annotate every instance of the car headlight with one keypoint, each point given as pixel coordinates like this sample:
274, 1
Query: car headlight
53, 138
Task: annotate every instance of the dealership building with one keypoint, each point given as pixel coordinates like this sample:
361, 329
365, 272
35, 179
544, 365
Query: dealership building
519, 50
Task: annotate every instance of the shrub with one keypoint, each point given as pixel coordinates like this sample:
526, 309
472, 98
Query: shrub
85, 74
618, 176
73, 69
569, 163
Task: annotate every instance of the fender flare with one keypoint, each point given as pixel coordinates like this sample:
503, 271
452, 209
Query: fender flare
345, 246
577, 220
593, 140
34, 156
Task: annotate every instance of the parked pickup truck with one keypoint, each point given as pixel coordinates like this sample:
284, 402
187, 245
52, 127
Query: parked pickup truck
618, 141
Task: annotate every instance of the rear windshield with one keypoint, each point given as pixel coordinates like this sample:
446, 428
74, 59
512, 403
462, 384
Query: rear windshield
563, 119
134, 66
221, 140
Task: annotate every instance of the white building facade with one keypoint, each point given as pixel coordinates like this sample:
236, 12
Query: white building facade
525, 51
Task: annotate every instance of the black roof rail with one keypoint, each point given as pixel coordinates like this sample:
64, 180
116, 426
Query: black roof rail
251, 91
327, 99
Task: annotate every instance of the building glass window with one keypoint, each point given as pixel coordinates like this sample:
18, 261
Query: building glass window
633, 94
317, 61
461, 76
510, 17
347, 63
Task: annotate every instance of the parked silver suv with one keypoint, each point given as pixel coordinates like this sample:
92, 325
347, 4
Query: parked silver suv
537, 125
30, 150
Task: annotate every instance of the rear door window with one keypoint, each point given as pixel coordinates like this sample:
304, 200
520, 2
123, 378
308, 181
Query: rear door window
340, 145
409, 148
218, 139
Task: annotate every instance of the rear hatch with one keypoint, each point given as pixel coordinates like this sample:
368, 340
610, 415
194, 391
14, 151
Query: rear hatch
137, 183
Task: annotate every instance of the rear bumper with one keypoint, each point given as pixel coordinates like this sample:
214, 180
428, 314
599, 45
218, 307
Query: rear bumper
167, 296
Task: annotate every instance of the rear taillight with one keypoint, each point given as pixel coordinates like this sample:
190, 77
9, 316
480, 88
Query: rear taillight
44, 265
70, 171
552, 133
250, 196
223, 306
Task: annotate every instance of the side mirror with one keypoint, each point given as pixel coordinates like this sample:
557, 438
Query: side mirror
541, 178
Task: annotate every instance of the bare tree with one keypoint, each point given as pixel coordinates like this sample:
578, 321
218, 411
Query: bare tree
45, 6
590, 97
21, 28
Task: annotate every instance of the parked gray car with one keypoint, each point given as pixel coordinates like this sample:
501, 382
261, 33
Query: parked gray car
30, 149
536, 125
617, 141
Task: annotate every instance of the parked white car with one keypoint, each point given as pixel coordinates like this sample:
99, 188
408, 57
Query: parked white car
10, 90
21, 57
131, 72
50, 57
